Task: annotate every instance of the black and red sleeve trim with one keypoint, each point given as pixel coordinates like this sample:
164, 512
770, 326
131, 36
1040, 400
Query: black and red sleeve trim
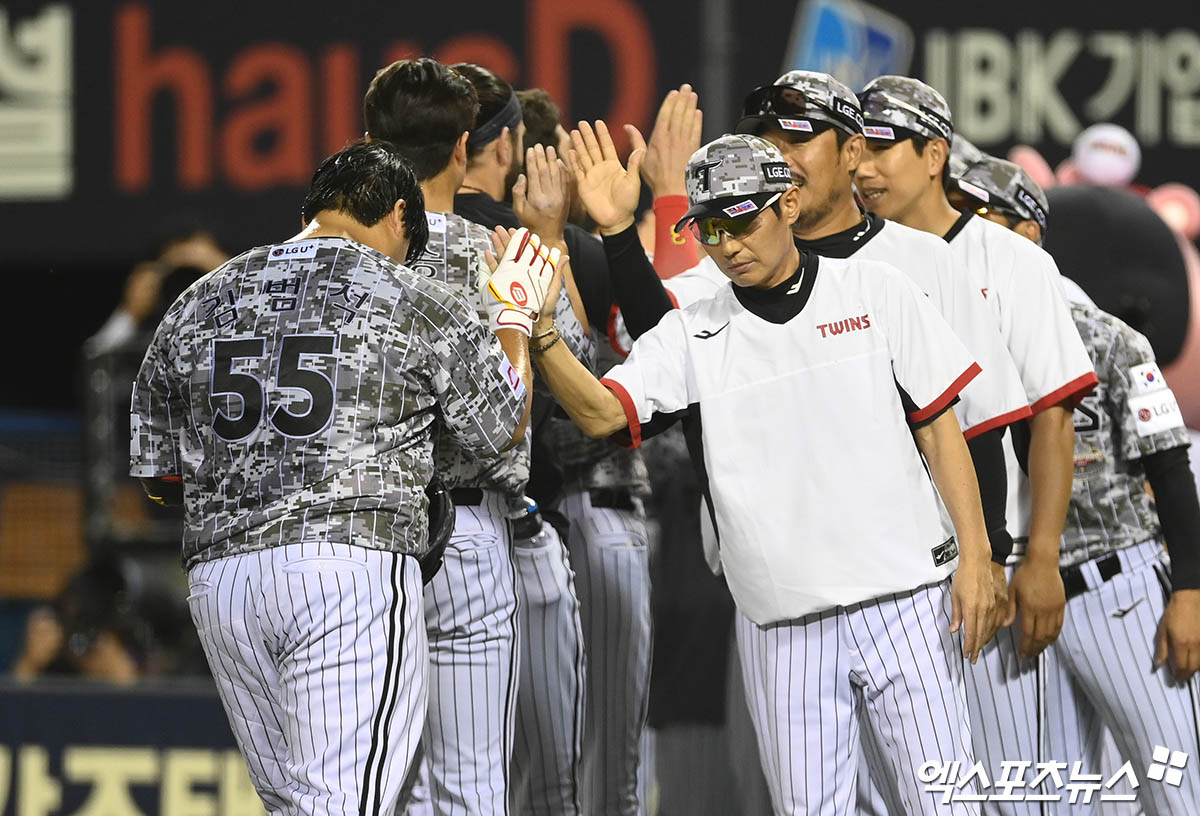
949, 394
1075, 391
998, 422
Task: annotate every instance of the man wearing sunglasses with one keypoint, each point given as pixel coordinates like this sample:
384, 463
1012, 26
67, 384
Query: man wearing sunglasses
903, 176
802, 388
817, 123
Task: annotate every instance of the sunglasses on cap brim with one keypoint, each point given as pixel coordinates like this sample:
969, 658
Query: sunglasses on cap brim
709, 230
787, 104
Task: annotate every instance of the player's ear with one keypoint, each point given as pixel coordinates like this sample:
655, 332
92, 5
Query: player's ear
852, 152
504, 149
1029, 229
937, 153
789, 205
460, 150
395, 218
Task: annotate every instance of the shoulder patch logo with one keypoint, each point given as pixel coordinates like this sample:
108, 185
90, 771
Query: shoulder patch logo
1146, 378
296, 251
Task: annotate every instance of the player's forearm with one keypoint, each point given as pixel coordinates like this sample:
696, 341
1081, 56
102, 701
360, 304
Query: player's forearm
516, 347
987, 456
1051, 470
590, 405
942, 444
1170, 477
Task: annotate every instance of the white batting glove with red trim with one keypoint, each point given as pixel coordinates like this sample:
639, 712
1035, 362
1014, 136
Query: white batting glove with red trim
517, 289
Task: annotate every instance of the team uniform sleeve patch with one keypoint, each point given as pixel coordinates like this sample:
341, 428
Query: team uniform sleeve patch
1155, 413
1146, 414
509, 373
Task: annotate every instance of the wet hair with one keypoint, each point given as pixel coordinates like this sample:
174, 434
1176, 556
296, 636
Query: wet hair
493, 94
421, 107
920, 143
364, 181
542, 118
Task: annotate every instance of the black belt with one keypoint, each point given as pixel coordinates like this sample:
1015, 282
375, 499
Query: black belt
472, 496
1074, 582
612, 499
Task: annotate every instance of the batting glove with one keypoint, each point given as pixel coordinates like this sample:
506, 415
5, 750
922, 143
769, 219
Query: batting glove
517, 289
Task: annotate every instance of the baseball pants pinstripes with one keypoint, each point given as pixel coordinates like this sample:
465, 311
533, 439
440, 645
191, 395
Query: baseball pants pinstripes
320, 660
806, 681
608, 549
1099, 675
550, 695
471, 622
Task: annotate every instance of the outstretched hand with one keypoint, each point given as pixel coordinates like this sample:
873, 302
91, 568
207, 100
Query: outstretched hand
676, 136
608, 189
541, 196
545, 288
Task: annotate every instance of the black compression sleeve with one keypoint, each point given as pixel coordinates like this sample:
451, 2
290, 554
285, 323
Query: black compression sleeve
636, 286
1179, 512
589, 265
987, 453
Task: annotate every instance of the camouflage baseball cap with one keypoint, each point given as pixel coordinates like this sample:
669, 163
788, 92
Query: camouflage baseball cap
963, 154
798, 99
734, 176
895, 107
1007, 187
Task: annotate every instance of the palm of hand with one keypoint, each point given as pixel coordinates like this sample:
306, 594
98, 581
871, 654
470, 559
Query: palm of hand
609, 192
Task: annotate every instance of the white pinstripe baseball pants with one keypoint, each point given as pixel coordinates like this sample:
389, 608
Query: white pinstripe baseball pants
609, 552
320, 661
550, 696
806, 681
471, 621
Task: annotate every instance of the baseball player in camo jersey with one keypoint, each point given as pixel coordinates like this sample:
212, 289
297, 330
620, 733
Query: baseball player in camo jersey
426, 110
905, 179
1130, 611
856, 585
289, 399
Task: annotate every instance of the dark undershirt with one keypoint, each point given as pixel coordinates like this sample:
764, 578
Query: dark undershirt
776, 305
958, 226
845, 243
1170, 477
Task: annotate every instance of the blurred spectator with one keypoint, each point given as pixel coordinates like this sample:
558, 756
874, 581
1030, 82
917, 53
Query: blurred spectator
188, 252
104, 627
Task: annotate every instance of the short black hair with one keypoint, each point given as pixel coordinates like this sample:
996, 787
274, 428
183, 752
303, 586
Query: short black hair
422, 107
542, 118
364, 181
493, 94
920, 143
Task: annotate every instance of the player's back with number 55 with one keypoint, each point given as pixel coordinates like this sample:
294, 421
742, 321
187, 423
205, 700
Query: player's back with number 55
300, 384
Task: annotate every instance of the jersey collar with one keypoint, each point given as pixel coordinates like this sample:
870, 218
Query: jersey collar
782, 302
845, 243
958, 227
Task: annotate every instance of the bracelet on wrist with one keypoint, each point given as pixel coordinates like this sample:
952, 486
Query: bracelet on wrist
553, 328
545, 346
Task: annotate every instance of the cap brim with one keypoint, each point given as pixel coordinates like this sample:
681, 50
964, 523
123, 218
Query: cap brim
717, 208
752, 125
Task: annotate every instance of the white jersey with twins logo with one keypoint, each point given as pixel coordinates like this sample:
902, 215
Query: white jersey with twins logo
1025, 291
801, 400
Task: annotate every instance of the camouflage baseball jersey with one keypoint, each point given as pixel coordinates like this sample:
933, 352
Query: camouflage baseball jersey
598, 463
1131, 414
454, 256
296, 390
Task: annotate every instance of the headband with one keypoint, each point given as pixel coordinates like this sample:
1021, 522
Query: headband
507, 117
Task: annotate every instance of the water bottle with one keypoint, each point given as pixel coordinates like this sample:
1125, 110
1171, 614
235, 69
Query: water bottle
527, 527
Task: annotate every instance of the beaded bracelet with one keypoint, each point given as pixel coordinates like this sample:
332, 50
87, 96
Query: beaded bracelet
539, 349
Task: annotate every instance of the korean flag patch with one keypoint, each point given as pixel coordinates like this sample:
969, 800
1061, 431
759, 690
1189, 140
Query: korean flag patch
1146, 378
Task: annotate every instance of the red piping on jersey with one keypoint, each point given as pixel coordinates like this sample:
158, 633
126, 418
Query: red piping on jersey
671, 295
998, 422
1076, 389
947, 395
635, 427
176, 479
612, 331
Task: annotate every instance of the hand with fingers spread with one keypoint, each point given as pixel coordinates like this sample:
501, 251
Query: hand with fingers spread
676, 136
1039, 599
607, 188
1178, 637
541, 196
524, 280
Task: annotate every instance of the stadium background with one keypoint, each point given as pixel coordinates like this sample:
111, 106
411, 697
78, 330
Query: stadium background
120, 119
